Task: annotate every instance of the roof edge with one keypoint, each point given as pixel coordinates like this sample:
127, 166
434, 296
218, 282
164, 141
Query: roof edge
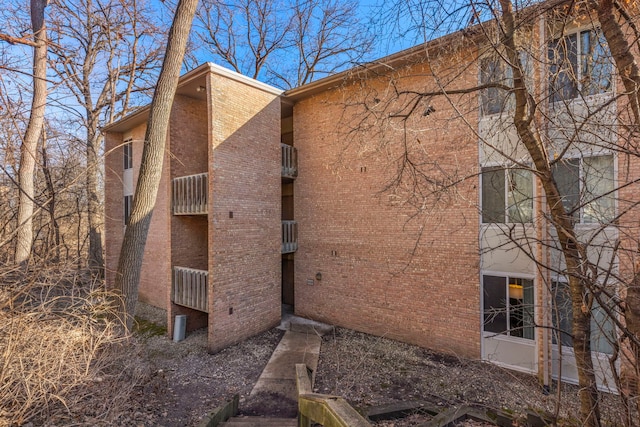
240, 78
139, 115
382, 65
473, 34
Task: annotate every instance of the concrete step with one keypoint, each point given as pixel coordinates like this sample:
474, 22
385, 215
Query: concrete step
260, 422
299, 324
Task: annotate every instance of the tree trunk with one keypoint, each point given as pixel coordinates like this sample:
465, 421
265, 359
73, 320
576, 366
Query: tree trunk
94, 208
573, 253
628, 69
24, 235
54, 228
130, 262
629, 73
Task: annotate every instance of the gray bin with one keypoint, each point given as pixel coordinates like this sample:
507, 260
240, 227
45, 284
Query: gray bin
179, 327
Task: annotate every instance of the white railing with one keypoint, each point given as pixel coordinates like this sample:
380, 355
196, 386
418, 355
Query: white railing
289, 236
289, 161
190, 195
189, 288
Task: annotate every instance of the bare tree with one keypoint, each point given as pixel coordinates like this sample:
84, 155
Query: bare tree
565, 129
32, 134
104, 52
131, 254
286, 44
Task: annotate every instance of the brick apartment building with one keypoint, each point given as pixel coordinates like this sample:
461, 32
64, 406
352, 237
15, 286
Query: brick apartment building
271, 198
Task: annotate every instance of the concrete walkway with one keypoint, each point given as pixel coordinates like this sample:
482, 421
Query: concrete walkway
300, 344
279, 376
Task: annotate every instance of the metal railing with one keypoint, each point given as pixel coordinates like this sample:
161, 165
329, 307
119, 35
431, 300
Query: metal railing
189, 288
289, 161
289, 236
190, 194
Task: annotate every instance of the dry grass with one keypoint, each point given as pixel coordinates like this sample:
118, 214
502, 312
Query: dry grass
63, 360
371, 371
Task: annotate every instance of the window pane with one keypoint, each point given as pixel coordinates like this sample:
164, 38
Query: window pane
521, 318
598, 198
128, 200
563, 56
602, 326
567, 176
128, 155
493, 197
494, 70
520, 195
495, 304
595, 63
562, 314
602, 330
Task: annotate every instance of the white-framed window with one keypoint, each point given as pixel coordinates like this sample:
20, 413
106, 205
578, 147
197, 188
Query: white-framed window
128, 203
127, 155
602, 326
580, 65
508, 304
507, 195
494, 70
586, 185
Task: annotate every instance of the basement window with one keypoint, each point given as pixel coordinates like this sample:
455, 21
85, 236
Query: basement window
602, 326
508, 306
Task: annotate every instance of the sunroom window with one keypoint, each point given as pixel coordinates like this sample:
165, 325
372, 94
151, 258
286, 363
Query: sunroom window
580, 65
507, 195
508, 306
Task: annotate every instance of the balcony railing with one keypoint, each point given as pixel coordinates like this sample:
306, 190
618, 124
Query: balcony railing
289, 236
189, 288
289, 161
190, 194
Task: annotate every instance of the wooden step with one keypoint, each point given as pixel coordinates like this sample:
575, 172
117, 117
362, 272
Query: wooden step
260, 422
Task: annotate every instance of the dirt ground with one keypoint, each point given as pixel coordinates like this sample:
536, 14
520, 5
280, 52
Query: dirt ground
185, 382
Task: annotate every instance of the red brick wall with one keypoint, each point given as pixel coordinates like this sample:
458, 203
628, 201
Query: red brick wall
188, 157
189, 235
416, 280
156, 268
113, 199
155, 277
629, 234
244, 251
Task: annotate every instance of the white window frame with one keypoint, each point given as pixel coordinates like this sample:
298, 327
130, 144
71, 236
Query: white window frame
594, 328
505, 79
554, 91
506, 170
127, 154
581, 182
534, 305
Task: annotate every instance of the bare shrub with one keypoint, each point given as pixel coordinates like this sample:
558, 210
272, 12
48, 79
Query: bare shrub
63, 358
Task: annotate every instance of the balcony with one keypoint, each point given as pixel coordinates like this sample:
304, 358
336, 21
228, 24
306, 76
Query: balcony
189, 288
289, 237
289, 161
190, 194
